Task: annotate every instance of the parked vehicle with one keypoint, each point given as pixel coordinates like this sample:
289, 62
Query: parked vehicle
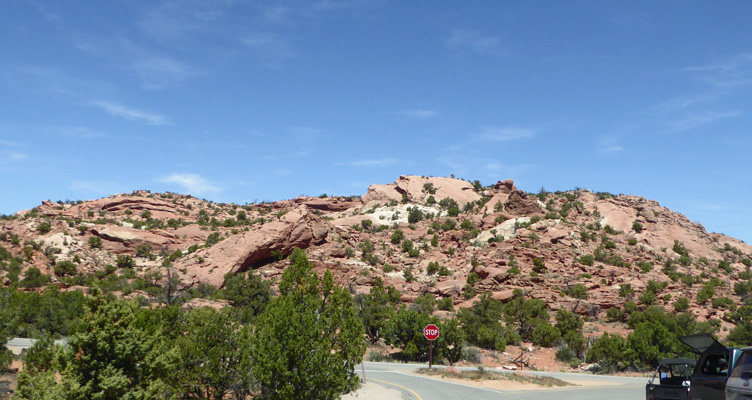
739, 385
670, 380
714, 365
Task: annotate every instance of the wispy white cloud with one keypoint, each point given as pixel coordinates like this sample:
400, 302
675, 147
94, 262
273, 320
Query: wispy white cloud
417, 113
10, 160
269, 49
131, 114
463, 39
610, 150
374, 163
496, 170
302, 152
193, 183
608, 144
174, 21
161, 72
732, 73
10, 143
695, 121
14, 156
505, 133
683, 102
730, 64
76, 132
305, 132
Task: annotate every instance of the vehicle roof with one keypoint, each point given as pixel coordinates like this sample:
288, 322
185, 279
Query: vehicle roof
669, 361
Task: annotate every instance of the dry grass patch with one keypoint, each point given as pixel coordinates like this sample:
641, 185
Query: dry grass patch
482, 374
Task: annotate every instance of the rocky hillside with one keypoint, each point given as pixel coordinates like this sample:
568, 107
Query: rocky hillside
585, 251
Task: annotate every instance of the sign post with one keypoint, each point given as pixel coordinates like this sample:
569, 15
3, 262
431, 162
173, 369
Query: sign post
431, 332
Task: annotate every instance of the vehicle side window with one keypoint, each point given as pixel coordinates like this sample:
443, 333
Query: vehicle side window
743, 365
715, 365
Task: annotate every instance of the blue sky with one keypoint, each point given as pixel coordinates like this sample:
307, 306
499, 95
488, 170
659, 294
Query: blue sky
243, 101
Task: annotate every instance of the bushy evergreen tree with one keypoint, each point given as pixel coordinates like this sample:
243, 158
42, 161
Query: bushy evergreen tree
309, 339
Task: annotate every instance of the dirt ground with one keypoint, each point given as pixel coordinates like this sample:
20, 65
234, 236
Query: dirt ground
374, 391
9, 380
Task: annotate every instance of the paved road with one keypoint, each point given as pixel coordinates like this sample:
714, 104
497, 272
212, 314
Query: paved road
416, 387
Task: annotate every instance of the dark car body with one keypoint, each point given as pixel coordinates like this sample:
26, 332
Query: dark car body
714, 365
670, 380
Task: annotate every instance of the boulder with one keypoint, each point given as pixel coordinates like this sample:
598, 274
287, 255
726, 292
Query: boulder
519, 203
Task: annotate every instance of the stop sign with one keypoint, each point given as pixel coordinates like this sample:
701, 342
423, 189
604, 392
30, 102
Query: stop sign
431, 332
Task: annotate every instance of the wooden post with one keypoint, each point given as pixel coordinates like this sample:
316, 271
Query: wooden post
430, 353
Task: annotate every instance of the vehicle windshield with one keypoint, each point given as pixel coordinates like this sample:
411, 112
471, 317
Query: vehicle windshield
673, 374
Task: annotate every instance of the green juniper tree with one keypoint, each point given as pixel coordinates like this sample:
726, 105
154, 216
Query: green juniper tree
309, 339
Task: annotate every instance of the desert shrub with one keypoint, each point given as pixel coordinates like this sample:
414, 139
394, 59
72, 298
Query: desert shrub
611, 352
645, 266
722, 302
567, 354
473, 278
626, 291
407, 273
538, 265
63, 268
545, 335
143, 250
681, 304
468, 292
577, 291
212, 239
95, 242
706, 293
433, 267
647, 298
407, 245
613, 314
397, 236
34, 278
44, 227
445, 303
655, 334
448, 225
482, 325
586, 260
637, 226
415, 215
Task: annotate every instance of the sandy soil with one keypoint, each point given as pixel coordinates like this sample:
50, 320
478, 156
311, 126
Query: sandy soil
374, 391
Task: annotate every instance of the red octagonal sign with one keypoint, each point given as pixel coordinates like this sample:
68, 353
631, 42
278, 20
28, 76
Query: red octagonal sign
431, 332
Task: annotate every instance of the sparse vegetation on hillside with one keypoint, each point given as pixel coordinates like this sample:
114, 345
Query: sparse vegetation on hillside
594, 258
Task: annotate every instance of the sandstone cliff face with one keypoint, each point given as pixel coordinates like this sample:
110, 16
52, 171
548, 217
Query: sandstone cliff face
502, 240
237, 253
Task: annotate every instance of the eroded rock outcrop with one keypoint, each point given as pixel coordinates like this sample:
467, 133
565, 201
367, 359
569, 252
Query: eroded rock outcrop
297, 228
417, 189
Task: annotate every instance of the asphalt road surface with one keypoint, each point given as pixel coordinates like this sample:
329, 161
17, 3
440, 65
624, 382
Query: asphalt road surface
420, 387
